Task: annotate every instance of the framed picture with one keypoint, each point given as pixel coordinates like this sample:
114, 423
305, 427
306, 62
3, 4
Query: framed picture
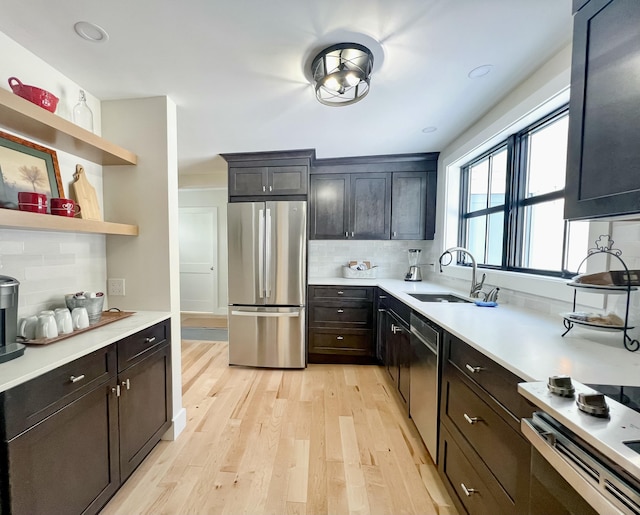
27, 166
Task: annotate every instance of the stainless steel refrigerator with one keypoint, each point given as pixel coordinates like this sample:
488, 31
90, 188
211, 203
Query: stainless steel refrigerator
267, 283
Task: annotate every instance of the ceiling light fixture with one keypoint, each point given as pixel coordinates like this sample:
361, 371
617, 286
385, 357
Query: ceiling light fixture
342, 74
480, 71
91, 32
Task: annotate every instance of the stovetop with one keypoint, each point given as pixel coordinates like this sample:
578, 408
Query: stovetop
616, 435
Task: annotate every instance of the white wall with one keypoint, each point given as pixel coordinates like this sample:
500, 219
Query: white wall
147, 194
50, 264
213, 197
541, 93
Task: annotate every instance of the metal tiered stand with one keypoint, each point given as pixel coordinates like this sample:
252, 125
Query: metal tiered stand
604, 245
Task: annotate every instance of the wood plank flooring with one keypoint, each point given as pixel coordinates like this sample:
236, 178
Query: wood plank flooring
203, 320
330, 439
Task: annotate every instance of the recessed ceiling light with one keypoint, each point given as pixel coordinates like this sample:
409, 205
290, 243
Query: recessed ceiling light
480, 71
427, 130
91, 32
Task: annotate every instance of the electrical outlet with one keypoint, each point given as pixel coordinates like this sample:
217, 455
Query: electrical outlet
115, 287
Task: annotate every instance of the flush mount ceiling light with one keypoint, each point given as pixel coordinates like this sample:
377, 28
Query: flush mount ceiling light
342, 73
91, 32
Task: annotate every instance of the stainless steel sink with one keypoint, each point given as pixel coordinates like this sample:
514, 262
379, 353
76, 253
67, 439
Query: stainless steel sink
438, 297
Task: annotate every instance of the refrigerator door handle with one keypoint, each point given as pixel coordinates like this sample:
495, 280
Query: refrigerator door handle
261, 253
294, 314
267, 253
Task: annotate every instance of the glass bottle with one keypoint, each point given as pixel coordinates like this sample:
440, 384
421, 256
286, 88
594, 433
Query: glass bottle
82, 115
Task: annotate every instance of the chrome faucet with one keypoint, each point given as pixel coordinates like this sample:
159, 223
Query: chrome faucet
476, 287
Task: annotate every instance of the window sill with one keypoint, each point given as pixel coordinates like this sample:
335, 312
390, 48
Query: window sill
554, 288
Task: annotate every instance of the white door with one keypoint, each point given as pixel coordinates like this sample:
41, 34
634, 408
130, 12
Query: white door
198, 259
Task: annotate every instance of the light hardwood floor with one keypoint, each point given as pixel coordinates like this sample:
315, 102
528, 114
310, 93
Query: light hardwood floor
330, 439
203, 320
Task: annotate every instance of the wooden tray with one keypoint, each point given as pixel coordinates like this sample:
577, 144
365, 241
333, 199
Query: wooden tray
107, 318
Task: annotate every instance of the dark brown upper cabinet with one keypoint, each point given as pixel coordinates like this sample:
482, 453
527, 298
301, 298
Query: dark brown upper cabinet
254, 176
373, 198
604, 128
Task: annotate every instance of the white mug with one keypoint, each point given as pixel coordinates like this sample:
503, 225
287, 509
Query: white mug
80, 318
27, 327
46, 327
64, 321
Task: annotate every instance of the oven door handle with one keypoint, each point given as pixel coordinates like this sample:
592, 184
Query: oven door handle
545, 443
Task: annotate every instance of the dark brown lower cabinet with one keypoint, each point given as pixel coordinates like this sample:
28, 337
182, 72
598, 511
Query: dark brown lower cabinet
72, 436
144, 407
484, 459
68, 463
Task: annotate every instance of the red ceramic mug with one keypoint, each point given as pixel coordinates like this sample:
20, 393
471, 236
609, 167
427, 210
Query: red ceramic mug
63, 207
32, 198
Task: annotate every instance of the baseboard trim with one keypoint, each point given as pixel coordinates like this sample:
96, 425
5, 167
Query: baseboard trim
178, 425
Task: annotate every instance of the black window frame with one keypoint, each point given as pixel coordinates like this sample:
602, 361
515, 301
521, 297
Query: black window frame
515, 203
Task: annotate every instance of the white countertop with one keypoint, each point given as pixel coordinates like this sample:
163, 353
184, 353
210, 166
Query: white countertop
526, 342
39, 359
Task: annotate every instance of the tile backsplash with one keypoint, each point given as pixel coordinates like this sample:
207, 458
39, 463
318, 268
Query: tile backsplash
50, 264
327, 257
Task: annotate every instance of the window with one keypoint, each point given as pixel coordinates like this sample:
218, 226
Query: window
512, 203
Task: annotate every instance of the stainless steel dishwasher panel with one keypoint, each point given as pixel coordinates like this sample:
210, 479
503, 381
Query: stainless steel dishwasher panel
423, 399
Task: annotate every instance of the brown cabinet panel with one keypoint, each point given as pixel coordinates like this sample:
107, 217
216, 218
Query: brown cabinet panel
413, 202
340, 324
144, 407
341, 341
471, 491
345, 314
604, 129
247, 181
341, 292
496, 380
31, 402
134, 347
499, 446
67, 463
329, 207
370, 206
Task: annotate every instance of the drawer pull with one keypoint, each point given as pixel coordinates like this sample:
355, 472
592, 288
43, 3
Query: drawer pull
341, 311
126, 384
473, 370
76, 379
468, 491
395, 329
116, 390
153, 339
340, 292
339, 337
471, 420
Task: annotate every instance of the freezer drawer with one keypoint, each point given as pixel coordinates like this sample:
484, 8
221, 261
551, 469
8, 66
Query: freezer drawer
267, 336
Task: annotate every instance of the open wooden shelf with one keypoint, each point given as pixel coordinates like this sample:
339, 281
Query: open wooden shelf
12, 219
32, 121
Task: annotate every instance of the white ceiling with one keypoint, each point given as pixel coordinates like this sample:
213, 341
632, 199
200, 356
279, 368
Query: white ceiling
238, 69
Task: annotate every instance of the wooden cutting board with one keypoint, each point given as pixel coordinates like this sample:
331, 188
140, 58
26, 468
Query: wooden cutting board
85, 195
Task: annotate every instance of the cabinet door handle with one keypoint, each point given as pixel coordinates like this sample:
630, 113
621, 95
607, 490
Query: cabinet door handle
395, 329
353, 234
468, 491
153, 339
471, 420
126, 384
341, 311
382, 297
116, 390
346, 234
76, 379
339, 337
270, 188
473, 370
395, 234
340, 292
264, 188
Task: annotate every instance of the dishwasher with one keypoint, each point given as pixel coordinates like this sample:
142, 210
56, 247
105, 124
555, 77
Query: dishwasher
424, 391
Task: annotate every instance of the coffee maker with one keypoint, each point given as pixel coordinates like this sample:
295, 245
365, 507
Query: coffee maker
414, 273
9, 348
